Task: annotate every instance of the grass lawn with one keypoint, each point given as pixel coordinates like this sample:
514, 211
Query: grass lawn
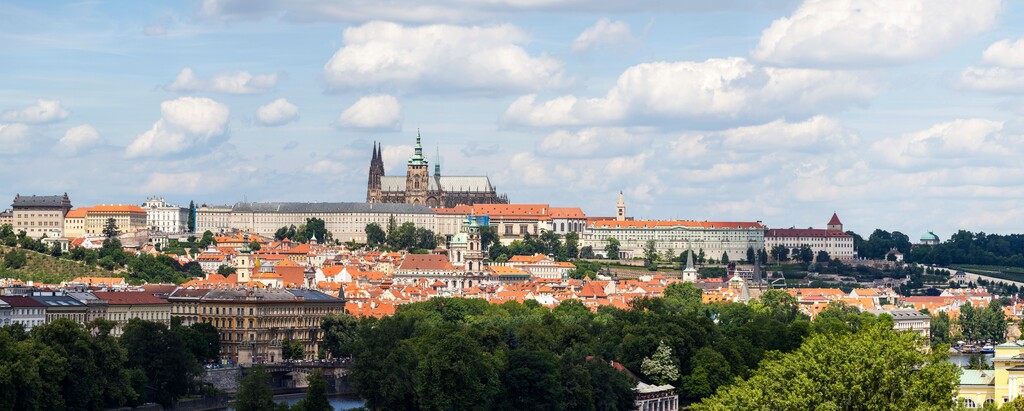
44, 268
1005, 273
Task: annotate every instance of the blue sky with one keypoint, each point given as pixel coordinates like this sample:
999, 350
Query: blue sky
900, 115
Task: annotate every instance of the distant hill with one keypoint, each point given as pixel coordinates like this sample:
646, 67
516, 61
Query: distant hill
44, 268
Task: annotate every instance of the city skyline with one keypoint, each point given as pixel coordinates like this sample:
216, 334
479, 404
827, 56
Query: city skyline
745, 110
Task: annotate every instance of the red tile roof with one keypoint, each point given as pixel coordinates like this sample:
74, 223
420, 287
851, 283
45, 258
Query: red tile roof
18, 301
129, 298
426, 262
804, 232
675, 223
834, 220
567, 212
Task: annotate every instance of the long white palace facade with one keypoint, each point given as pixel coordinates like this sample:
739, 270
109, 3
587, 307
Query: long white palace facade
345, 221
712, 237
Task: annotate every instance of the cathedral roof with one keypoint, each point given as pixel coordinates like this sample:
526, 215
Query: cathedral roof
447, 183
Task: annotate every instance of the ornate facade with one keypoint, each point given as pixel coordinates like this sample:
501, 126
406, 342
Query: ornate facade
419, 187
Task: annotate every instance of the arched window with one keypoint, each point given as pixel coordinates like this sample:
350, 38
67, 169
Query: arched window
969, 403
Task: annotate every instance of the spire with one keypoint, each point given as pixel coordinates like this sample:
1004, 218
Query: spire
437, 161
689, 259
417, 157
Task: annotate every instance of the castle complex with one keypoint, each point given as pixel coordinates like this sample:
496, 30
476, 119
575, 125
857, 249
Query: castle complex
419, 187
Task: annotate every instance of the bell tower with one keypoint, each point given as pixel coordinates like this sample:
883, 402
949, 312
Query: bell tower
620, 209
417, 176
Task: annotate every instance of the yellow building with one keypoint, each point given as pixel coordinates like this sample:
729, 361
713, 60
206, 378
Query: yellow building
74, 223
999, 385
256, 321
128, 218
123, 306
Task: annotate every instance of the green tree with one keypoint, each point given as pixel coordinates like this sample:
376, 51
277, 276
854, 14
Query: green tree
685, 292
393, 234
725, 258
425, 239
191, 216
455, 372
650, 255
254, 391
587, 252
822, 257
340, 339
940, 329
762, 255
207, 239
226, 270
532, 381
876, 368
292, 349
15, 259
255, 245
780, 253
779, 304
110, 229
611, 250
162, 355
375, 236
751, 255
316, 394
661, 366
710, 371
806, 255
572, 245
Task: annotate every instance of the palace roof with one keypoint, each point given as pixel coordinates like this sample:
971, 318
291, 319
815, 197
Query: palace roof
287, 207
675, 223
116, 208
804, 232
41, 201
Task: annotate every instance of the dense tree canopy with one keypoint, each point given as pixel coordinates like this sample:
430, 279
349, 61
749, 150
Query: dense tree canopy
874, 368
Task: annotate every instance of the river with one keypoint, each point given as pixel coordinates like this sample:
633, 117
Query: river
963, 359
339, 402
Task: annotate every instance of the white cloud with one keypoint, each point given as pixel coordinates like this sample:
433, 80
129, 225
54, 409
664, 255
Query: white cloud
14, 139
439, 59
592, 142
377, 112
326, 167
717, 90
42, 112
604, 34
872, 32
227, 82
455, 10
1005, 53
814, 134
954, 143
395, 158
277, 112
78, 139
154, 30
1005, 71
185, 123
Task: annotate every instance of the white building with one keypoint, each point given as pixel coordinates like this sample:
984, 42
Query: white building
712, 237
345, 221
565, 220
25, 311
164, 217
831, 240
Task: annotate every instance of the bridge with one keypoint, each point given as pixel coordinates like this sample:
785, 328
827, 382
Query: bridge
286, 377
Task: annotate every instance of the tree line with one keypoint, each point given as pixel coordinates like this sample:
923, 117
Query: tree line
67, 365
466, 353
401, 237
314, 227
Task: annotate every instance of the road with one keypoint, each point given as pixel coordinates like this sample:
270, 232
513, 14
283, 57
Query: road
974, 277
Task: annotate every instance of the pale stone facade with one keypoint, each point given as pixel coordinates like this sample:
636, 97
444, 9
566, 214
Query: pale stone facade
40, 216
129, 219
345, 221
74, 223
714, 238
164, 217
831, 240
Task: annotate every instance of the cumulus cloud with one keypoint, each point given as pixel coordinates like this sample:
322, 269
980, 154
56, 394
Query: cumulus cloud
14, 139
277, 112
326, 167
378, 112
604, 34
593, 142
42, 112
960, 142
1004, 72
871, 32
395, 158
455, 10
439, 59
474, 149
185, 123
728, 90
815, 134
78, 139
227, 82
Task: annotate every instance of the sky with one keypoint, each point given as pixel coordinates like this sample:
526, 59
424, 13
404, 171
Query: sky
902, 115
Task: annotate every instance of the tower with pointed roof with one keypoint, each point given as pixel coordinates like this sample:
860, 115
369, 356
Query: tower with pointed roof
834, 224
689, 273
620, 209
373, 186
417, 176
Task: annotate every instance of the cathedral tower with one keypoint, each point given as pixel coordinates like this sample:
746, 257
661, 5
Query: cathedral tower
417, 176
373, 187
